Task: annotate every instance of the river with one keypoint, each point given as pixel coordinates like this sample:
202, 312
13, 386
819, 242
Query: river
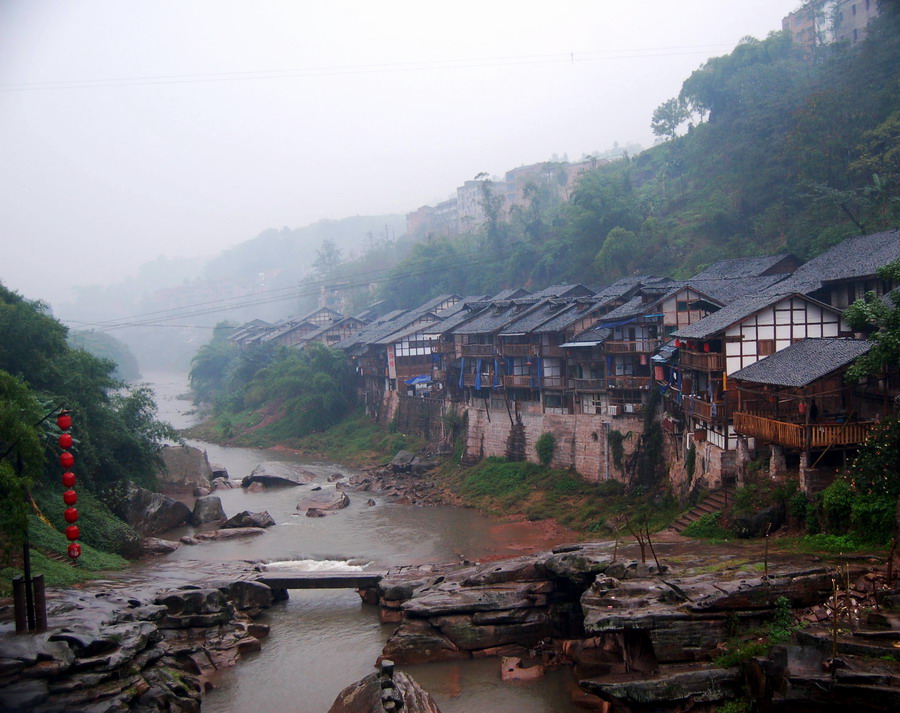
322, 641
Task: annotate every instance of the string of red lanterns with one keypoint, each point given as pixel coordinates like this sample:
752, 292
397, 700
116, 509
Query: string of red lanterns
70, 497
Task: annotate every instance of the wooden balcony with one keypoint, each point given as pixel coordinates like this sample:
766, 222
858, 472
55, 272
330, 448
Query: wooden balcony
704, 409
479, 350
628, 382
516, 350
442, 346
589, 384
615, 346
518, 382
794, 435
487, 380
552, 350
703, 361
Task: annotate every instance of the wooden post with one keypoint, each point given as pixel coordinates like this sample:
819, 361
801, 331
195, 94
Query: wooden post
19, 605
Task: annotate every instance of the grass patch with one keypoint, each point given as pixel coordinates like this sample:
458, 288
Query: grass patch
825, 543
502, 487
45, 539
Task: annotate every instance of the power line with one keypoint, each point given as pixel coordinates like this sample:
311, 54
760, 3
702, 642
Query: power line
337, 70
158, 318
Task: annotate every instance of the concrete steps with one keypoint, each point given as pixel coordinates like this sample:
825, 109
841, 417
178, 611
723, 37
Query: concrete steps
716, 501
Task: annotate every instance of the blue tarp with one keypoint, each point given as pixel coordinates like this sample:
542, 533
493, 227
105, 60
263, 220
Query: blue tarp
421, 379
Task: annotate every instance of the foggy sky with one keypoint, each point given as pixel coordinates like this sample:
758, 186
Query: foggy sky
130, 130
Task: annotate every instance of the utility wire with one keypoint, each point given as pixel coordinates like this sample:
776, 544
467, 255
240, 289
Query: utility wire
328, 71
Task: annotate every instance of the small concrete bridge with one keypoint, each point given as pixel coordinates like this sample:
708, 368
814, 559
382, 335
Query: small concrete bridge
320, 580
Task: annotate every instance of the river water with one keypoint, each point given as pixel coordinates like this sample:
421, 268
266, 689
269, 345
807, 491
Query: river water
324, 640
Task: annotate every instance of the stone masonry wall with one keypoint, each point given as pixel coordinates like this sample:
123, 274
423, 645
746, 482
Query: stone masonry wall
581, 439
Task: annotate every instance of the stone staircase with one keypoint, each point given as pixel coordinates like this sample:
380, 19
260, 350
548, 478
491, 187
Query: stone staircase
716, 501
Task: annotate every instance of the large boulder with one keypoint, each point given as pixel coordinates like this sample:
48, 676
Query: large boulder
207, 509
325, 499
151, 513
250, 519
371, 693
186, 468
277, 474
402, 462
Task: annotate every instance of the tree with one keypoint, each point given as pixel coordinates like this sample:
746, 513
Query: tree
882, 319
21, 457
668, 116
328, 257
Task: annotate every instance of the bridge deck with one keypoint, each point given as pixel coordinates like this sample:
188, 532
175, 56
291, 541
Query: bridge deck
320, 580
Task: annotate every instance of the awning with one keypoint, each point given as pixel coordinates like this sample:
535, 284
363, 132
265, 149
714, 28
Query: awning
665, 353
582, 344
421, 379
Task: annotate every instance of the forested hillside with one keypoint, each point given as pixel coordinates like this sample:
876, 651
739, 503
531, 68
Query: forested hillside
767, 149
117, 436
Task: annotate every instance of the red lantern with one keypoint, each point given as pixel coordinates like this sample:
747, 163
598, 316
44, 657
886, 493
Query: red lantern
72, 532
71, 515
68, 479
65, 441
74, 550
677, 342
64, 421
70, 497
66, 459
706, 347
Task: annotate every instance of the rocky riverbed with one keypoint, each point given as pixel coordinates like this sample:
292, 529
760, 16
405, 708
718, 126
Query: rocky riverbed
122, 648
642, 637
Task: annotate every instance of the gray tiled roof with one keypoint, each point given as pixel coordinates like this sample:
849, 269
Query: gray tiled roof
853, 258
740, 267
635, 307
804, 362
727, 290
535, 318
495, 316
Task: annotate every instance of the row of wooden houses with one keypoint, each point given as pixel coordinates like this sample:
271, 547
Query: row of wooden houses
748, 355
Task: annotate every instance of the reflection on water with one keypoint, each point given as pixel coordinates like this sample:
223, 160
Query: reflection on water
324, 640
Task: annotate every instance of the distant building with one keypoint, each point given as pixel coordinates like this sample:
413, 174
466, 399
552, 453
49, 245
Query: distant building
820, 22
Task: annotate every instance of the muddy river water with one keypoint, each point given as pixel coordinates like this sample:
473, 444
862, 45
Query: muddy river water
323, 640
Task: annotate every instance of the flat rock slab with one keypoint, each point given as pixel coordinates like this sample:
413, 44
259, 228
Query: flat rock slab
229, 534
276, 474
325, 499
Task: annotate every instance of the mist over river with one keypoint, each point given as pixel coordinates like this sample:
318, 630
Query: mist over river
324, 640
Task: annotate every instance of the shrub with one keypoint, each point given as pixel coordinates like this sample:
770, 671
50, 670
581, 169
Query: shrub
707, 527
873, 518
545, 446
798, 507
837, 504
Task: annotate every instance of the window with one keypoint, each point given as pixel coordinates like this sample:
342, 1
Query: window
853, 12
765, 347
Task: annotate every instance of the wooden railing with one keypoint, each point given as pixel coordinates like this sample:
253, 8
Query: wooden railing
704, 409
487, 380
516, 350
628, 382
705, 361
618, 346
442, 346
794, 435
479, 350
552, 350
518, 382
589, 384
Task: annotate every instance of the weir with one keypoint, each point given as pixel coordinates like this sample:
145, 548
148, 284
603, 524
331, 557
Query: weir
321, 580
